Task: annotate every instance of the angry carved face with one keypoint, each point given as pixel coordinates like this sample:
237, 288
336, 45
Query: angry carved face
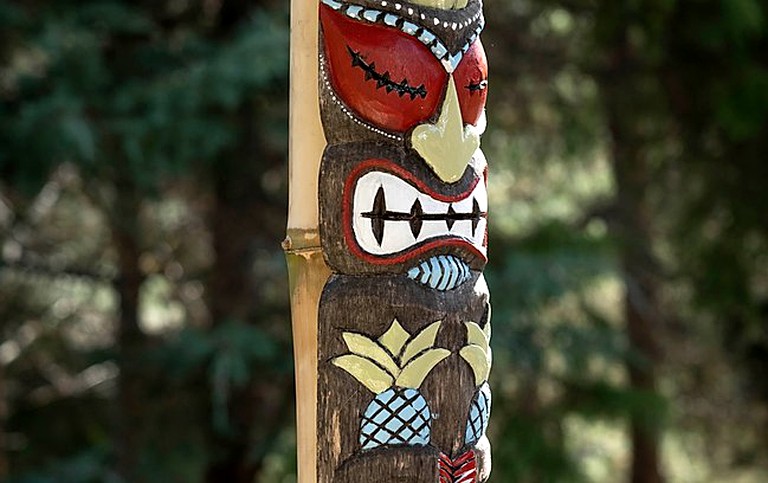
405, 73
403, 181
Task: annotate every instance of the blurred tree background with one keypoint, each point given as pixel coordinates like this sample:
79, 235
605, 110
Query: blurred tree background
144, 330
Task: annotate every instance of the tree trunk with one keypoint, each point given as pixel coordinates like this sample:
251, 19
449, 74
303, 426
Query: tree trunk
230, 293
4, 464
640, 304
130, 338
623, 97
244, 218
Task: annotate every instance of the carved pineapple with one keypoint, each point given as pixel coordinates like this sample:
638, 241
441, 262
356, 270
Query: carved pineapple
393, 367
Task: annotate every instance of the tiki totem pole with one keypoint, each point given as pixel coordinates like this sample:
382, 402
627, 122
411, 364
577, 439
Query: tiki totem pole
404, 321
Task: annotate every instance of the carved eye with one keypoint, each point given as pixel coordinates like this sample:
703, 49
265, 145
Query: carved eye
384, 80
477, 86
385, 76
472, 80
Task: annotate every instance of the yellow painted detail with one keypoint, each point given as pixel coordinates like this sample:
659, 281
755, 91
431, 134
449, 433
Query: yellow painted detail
417, 370
442, 4
375, 368
394, 338
478, 352
365, 347
447, 146
479, 360
366, 372
421, 342
476, 336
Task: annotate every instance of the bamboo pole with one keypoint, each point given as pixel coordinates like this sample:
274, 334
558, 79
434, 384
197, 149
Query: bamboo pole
306, 269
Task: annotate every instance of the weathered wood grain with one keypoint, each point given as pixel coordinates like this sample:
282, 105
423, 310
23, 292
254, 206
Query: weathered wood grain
368, 306
403, 330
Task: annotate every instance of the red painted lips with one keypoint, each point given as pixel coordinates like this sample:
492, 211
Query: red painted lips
390, 216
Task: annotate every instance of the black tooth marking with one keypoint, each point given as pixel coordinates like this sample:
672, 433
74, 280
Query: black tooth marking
416, 220
475, 215
379, 209
450, 218
416, 217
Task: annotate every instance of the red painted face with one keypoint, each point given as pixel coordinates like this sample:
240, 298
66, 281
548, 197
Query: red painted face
391, 79
471, 83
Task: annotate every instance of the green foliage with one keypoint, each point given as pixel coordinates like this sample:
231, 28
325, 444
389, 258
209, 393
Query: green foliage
531, 450
105, 80
105, 98
88, 467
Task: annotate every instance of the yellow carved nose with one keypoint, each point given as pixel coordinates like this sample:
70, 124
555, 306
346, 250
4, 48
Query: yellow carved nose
447, 146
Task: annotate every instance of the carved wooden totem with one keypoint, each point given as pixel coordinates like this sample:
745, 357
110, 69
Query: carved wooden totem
404, 322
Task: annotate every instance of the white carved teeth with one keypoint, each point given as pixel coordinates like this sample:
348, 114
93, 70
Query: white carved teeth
390, 215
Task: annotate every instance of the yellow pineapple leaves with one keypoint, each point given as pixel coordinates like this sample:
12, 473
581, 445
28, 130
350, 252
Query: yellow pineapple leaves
392, 360
365, 347
394, 338
366, 372
424, 340
398, 358
477, 352
414, 373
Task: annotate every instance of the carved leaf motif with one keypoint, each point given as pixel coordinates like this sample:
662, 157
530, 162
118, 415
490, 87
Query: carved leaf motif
476, 336
479, 360
394, 338
478, 352
417, 370
366, 372
421, 342
365, 347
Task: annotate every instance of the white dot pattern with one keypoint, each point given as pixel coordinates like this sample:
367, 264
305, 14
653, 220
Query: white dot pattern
448, 59
346, 111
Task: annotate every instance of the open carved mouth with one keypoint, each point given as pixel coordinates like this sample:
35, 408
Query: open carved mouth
392, 215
